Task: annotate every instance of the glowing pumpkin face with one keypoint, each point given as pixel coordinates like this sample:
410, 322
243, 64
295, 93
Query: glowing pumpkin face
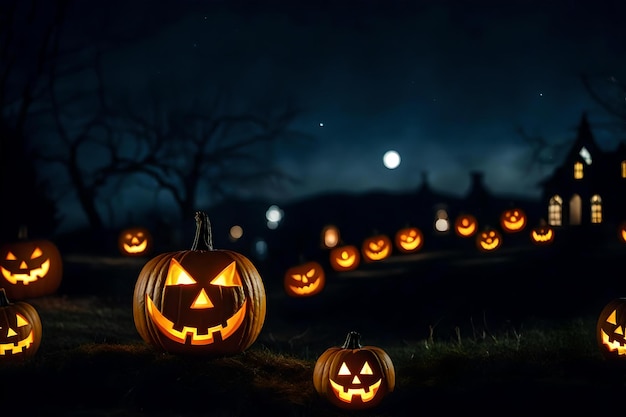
513, 220
30, 268
20, 330
409, 239
542, 235
465, 225
135, 241
344, 258
611, 328
376, 248
304, 280
488, 240
352, 376
199, 301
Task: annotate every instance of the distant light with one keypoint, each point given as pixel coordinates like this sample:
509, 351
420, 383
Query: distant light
236, 232
321, 124
260, 249
274, 214
330, 236
391, 159
442, 225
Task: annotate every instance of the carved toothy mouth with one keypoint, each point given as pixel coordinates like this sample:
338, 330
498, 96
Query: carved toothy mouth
613, 346
29, 277
346, 394
18, 347
167, 326
136, 248
307, 289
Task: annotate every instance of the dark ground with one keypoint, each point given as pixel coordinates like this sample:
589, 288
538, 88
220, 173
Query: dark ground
394, 305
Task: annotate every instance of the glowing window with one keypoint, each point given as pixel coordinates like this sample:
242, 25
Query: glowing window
578, 170
623, 169
555, 211
584, 153
596, 209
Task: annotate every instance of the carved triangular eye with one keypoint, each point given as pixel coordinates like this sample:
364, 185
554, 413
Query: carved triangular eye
176, 275
11, 256
343, 370
311, 273
229, 277
612, 319
21, 321
36, 253
366, 370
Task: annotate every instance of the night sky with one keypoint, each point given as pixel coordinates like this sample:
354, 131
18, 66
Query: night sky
445, 83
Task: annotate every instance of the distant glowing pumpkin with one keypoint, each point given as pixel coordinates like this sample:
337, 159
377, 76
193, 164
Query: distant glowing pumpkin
304, 280
30, 267
542, 235
622, 232
465, 225
513, 220
376, 248
409, 239
344, 258
488, 240
135, 241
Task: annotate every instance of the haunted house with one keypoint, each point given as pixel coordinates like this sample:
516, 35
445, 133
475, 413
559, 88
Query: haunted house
589, 187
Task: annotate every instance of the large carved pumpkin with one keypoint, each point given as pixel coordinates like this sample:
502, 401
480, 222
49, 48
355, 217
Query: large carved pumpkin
611, 330
20, 330
199, 301
304, 280
30, 267
352, 376
135, 241
344, 258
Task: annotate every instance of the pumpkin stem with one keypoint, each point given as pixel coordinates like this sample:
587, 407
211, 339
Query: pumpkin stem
4, 301
204, 235
22, 233
353, 341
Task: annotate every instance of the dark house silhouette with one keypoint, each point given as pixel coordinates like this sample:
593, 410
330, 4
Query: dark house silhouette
589, 188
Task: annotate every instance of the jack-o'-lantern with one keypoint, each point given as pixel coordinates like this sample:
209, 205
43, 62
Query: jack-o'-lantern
409, 239
135, 241
376, 248
200, 301
352, 376
611, 330
621, 230
30, 267
513, 220
465, 225
542, 234
304, 280
20, 330
489, 239
344, 258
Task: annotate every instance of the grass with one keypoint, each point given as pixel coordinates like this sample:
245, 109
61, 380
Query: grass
92, 362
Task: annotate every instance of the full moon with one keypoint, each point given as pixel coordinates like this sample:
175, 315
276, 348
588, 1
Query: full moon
391, 159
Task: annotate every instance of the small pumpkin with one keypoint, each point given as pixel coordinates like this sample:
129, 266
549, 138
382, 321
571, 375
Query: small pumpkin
344, 258
376, 248
611, 330
30, 267
542, 234
465, 225
513, 220
409, 239
488, 240
20, 330
304, 280
200, 301
135, 241
354, 377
